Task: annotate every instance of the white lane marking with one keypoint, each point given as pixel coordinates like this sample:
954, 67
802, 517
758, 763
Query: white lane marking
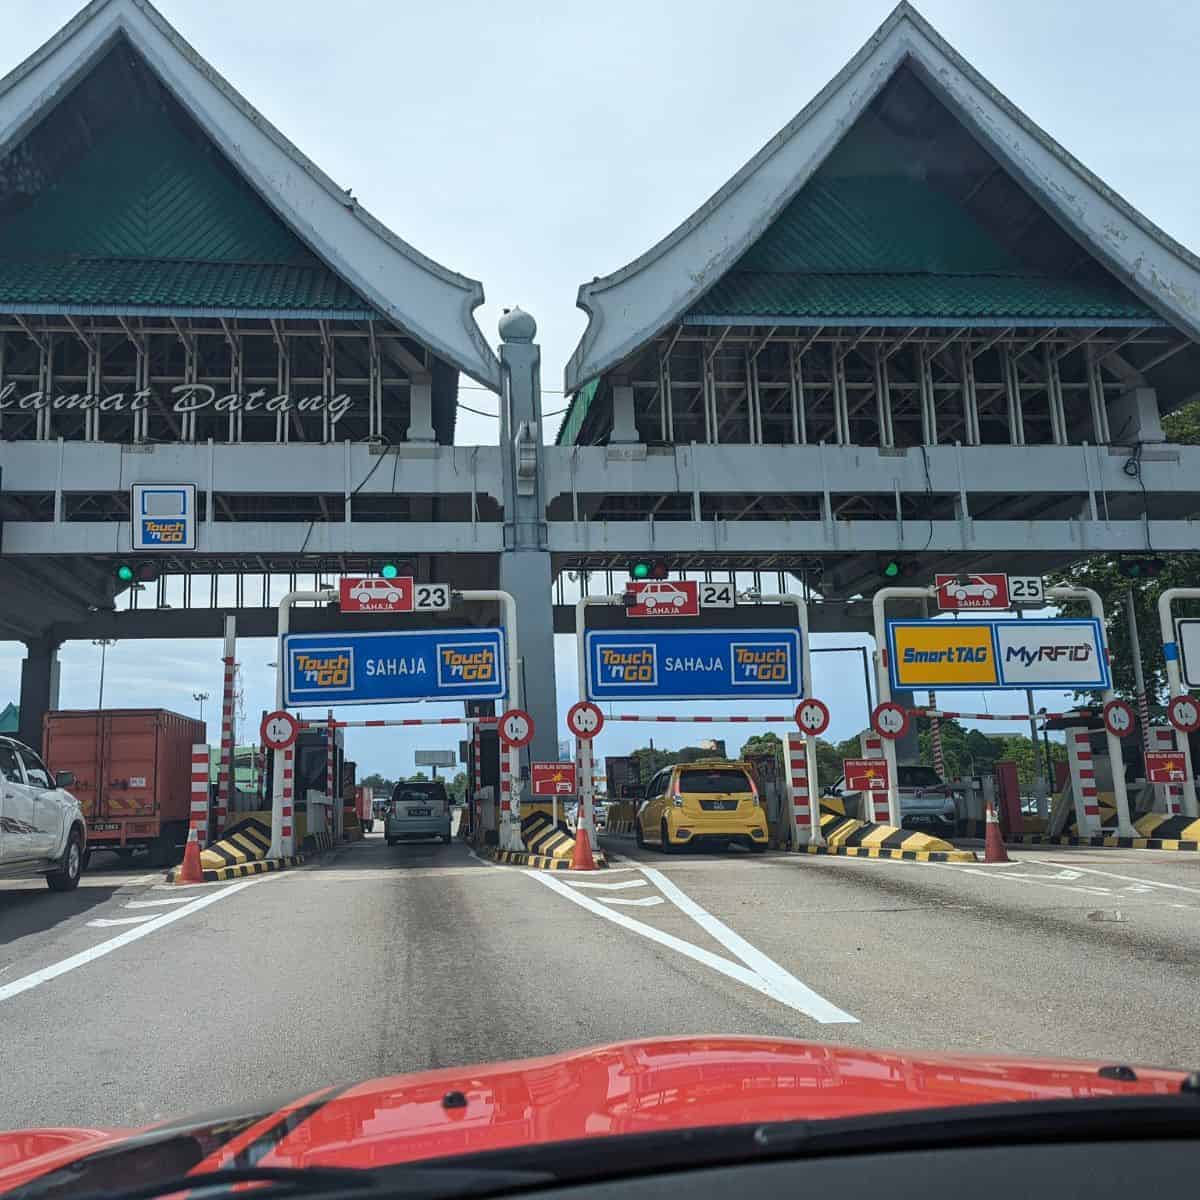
9, 990
644, 902
159, 903
819, 1008
107, 922
784, 982
1154, 883
610, 887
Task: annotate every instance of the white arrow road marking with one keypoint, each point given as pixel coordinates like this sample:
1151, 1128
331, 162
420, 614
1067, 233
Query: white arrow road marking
644, 902
9, 990
1154, 883
106, 922
159, 903
611, 887
776, 983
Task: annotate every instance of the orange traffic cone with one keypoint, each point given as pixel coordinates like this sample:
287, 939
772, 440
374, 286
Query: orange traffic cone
189, 870
993, 846
581, 859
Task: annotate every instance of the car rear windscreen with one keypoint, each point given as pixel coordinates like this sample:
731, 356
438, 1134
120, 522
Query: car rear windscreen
428, 792
718, 780
918, 777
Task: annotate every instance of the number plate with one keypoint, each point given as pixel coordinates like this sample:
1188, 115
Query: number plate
420, 812
105, 827
431, 597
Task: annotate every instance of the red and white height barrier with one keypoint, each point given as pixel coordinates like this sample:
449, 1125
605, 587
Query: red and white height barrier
198, 822
287, 787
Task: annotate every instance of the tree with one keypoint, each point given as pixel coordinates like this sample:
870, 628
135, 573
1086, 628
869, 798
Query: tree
1103, 573
456, 788
652, 760
419, 777
763, 743
377, 782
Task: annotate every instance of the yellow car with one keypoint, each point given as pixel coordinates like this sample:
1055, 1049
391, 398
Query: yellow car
711, 802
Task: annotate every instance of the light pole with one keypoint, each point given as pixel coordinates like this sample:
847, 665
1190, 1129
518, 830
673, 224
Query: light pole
201, 697
104, 644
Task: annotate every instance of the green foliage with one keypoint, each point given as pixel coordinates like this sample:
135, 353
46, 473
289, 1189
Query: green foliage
377, 782
456, 788
763, 743
649, 761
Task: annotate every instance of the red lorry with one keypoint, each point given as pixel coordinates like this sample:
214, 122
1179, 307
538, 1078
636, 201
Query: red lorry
133, 775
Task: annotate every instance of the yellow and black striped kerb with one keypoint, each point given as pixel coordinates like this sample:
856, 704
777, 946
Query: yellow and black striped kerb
545, 839
540, 862
1156, 831
246, 842
865, 839
262, 866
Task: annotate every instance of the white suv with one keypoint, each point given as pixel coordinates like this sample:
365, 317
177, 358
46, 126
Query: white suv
42, 830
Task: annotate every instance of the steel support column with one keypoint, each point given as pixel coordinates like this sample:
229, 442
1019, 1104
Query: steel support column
525, 570
39, 689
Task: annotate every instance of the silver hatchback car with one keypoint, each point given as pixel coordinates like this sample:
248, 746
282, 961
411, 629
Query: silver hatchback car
419, 809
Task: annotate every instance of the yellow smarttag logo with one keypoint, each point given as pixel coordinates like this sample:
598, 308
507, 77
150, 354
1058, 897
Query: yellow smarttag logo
943, 653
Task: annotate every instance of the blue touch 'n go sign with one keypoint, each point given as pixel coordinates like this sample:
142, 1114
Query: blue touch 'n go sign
693, 664
162, 516
393, 667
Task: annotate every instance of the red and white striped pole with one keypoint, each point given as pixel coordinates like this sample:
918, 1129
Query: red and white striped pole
198, 822
284, 760
1083, 782
806, 814
871, 745
332, 790
225, 764
935, 737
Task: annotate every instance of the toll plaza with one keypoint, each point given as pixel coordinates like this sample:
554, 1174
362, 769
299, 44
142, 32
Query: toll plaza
790, 390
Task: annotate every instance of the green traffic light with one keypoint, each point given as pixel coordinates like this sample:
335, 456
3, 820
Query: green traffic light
125, 573
641, 570
892, 569
389, 570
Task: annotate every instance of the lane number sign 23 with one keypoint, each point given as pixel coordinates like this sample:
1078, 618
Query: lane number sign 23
1026, 589
431, 597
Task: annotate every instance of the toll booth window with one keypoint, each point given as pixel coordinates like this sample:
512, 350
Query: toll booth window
8, 765
719, 781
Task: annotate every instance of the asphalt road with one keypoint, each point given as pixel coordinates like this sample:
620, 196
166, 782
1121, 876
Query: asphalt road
130, 1001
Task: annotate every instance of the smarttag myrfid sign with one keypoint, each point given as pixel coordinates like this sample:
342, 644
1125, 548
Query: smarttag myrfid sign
1058, 654
162, 516
552, 778
393, 667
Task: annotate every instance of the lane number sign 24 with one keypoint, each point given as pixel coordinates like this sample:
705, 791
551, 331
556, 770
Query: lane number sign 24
431, 597
1026, 589
718, 595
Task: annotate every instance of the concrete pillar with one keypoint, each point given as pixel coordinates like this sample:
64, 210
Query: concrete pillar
420, 411
525, 560
624, 428
39, 689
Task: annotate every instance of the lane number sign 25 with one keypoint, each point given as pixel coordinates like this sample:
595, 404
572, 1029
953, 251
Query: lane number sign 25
718, 595
1026, 589
431, 597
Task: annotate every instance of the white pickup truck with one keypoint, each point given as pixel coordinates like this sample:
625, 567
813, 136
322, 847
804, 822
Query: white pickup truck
42, 830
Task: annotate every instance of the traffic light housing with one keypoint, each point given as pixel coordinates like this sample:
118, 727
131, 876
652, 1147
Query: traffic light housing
1140, 568
895, 568
136, 572
648, 568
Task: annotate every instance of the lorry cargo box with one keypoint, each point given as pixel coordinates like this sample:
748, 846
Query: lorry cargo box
133, 774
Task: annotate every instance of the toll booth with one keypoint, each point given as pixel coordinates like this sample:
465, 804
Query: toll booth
313, 811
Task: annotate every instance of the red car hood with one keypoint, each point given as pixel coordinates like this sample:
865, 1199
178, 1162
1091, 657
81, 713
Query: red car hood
631, 1087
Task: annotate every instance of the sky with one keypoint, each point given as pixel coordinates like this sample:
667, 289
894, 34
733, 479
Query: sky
536, 146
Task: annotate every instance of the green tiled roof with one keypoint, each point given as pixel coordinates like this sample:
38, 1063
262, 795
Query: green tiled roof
152, 216
890, 246
914, 297
157, 283
577, 410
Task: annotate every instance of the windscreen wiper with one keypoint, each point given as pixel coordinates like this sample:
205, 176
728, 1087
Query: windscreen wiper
408, 1181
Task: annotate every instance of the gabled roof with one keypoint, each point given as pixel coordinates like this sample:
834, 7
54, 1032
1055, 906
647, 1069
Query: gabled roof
369, 262
689, 270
